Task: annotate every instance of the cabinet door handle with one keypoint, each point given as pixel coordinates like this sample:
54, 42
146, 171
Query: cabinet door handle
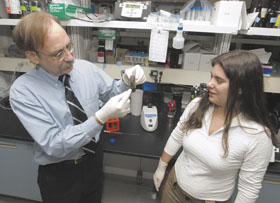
5, 145
277, 182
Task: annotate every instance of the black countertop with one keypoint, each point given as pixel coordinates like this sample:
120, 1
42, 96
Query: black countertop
10, 126
132, 140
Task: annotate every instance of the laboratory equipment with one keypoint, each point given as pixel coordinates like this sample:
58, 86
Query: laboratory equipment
113, 125
275, 152
186, 98
131, 10
199, 90
132, 83
197, 10
101, 52
136, 100
171, 108
149, 118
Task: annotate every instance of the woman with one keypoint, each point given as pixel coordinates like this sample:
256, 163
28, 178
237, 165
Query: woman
225, 134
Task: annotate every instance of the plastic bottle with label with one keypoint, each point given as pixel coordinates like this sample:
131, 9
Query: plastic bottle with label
13, 9
179, 40
177, 46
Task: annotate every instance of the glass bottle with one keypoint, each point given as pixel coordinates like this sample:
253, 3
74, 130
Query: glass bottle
176, 57
271, 15
258, 18
25, 7
35, 6
101, 52
265, 5
277, 23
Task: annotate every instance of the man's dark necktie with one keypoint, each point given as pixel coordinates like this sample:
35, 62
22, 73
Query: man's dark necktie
77, 111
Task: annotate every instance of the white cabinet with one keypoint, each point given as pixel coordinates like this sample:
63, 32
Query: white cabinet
270, 190
18, 174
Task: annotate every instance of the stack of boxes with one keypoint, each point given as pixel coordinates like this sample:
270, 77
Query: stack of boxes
198, 61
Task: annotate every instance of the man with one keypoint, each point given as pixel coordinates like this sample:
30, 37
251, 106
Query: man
68, 170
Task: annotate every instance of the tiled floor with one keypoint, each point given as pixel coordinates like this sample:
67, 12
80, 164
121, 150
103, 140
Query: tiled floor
117, 189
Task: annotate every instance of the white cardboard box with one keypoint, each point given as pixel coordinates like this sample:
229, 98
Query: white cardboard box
228, 13
191, 61
205, 62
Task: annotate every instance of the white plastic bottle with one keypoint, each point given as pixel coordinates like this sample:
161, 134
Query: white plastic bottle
13, 8
179, 40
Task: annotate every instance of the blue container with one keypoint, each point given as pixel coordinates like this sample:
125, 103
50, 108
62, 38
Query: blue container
149, 86
267, 70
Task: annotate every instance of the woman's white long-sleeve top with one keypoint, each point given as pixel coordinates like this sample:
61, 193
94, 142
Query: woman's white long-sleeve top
204, 173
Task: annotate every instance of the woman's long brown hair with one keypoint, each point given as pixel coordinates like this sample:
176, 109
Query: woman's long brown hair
245, 94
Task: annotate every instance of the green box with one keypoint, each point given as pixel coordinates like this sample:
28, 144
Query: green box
107, 33
63, 11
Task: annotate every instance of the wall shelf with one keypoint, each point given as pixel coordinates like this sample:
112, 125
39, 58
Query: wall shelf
136, 25
8, 21
146, 26
273, 32
183, 77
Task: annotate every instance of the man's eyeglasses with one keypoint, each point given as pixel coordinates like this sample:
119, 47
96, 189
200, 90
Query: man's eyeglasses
60, 55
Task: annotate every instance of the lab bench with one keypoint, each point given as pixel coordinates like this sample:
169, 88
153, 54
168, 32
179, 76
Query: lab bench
18, 173
132, 139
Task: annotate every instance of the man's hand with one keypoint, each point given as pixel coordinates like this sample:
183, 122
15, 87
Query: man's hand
117, 107
135, 71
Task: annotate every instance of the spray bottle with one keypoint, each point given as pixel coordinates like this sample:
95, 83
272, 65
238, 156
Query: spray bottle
179, 40
177, 46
